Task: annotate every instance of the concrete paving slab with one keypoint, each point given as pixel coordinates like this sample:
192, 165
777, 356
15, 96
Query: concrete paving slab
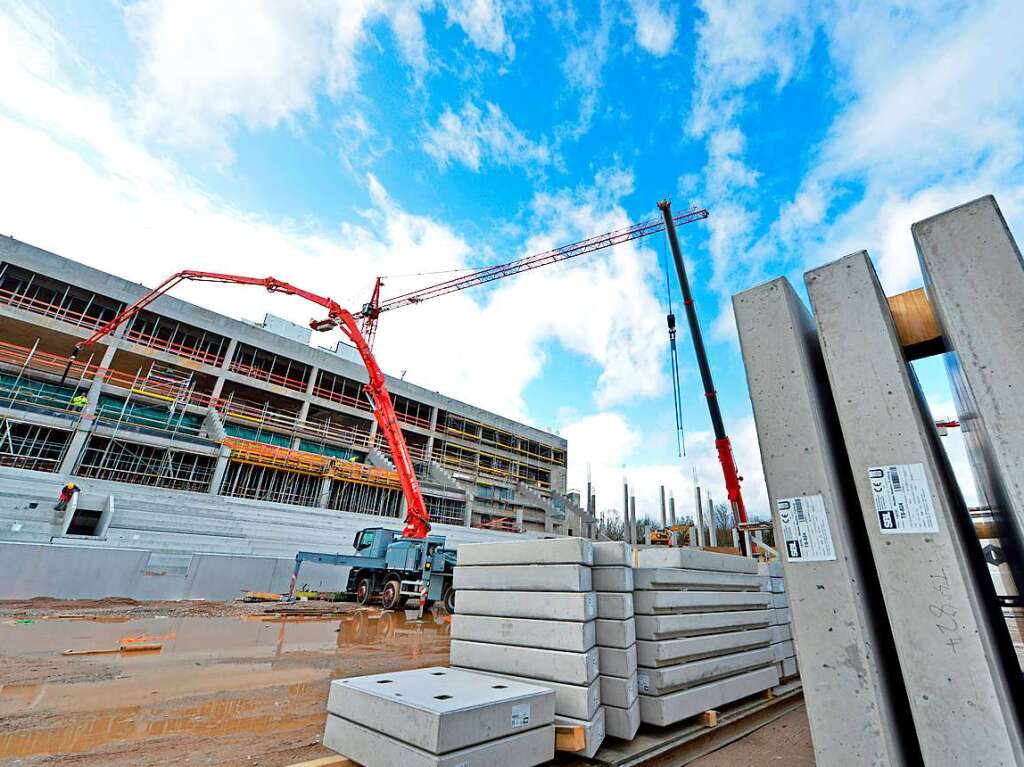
612, 633
972, 265
951, 641
614, 606
694, 559
622, 723
654, 628
440, 709
579, 702
677, 579
667, 602
373, 749
670, 652
550, 551
783, 650
613, 554
571, 636
617, 662
523, 577
529, 662
782, 633
569, 606
661, 681
618, 691
618, 579
677, 706
594, 731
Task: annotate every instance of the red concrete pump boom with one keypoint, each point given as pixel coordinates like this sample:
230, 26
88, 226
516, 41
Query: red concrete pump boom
417, 520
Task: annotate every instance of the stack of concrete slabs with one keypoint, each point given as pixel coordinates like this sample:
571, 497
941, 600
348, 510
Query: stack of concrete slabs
440, 717
953, 646
616, 638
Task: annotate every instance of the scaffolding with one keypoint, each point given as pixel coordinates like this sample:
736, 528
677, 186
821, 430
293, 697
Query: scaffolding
365, 499
263, 483
121, 461
33, 447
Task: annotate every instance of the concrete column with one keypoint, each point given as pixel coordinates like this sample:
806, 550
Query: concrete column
855, 696
698, 518
712, 526
219, 470
626, 534
671, 511
467, 518
85, 423
664, 517
325, 492
973, 265
632, 520
951, 640
218, 385
519, 515
433, 430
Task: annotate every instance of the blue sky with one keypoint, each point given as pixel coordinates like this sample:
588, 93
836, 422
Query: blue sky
330, 141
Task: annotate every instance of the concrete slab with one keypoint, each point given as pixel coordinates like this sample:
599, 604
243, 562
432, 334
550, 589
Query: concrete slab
779, 600
441, 709
529, 662
694, 559
619, 634
661, 681
571, 636
622, 723
771, 569
780, 617
782, 633
773, 585
374, 749
670, 652
667, 602
783, 650
617, 662
618, 691
951, 641
618, 579
614, 606
523, 577
594, 731
971, 265
655, 628
613, 554
789, 667
676, 579
550, 551
578, 606
677, 706
579, 702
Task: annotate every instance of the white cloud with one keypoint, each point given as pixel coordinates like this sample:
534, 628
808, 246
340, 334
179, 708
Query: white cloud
128, 212
655, 27
484, 23
474, 135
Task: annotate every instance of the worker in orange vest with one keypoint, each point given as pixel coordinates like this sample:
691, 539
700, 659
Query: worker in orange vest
66, 494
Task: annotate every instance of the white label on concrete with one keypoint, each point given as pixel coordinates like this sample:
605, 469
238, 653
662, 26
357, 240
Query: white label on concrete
805, 529
643, 683
592, 603
521, 716
903, 499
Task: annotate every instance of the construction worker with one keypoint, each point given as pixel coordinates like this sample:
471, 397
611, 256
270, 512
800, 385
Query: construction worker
66, 494
79, 401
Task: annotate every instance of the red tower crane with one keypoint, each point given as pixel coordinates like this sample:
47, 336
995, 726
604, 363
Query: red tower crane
417, 521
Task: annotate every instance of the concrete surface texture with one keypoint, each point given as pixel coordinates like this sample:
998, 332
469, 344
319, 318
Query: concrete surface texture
374, 749
533, 577
694, 559
666, 602
440, 709
617, 691
953, 648
614, 605
668, 652
974, 276
613, 554
615, 661
620, 634
552, 551
674, 707
528, 662
569, 606
622, 723
660, 681
618, 579
678, 579
576, 701
593, 730
658, 627
571, 636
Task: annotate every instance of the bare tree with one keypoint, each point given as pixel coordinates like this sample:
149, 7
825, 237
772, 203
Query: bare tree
611, 526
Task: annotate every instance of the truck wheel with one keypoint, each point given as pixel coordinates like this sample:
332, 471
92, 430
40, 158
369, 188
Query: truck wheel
391, 597
449, 600
364, 591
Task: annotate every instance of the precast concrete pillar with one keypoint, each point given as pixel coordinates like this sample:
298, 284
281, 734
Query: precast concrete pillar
664, 516
76, 444
626, 534
219, 470
952, 643
632, 520
712, 524
671, 511
698, 519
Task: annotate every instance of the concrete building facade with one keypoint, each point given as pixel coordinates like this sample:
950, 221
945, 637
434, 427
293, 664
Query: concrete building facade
182, 398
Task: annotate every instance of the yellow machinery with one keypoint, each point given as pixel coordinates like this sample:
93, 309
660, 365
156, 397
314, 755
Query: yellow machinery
680, 533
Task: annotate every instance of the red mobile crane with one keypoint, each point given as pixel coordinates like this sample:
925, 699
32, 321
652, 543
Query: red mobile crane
417, 521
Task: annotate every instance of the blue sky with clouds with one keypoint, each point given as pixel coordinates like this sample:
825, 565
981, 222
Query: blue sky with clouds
330, 141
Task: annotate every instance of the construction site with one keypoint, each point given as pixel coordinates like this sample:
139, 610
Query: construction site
267, 552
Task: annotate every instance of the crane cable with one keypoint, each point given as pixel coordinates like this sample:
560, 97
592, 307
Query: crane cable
674, 357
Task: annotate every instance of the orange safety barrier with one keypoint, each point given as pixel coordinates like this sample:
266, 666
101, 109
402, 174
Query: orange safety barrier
302, 462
